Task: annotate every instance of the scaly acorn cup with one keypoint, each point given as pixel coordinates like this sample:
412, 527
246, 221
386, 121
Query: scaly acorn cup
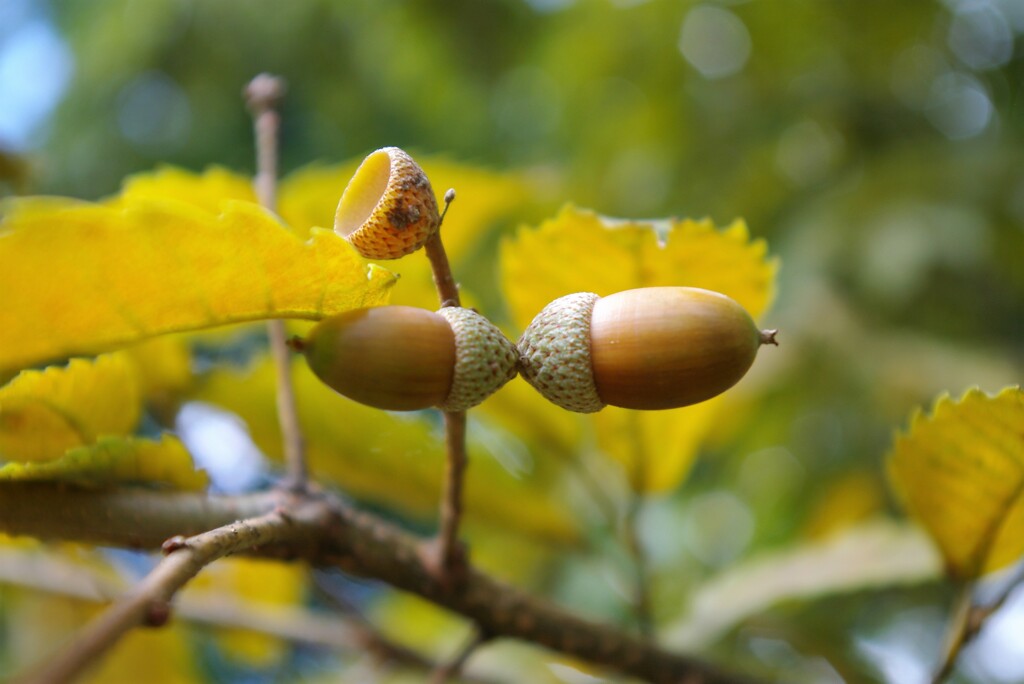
388, 208
650, 348
401, 358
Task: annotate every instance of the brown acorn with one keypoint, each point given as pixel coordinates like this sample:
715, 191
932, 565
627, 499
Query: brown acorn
650, 348
388, 208
401, 358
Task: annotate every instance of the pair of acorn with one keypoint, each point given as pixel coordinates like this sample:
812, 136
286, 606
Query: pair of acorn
649, 348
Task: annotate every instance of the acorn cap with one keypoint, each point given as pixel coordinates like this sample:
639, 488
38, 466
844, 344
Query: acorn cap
554, 353
484, 359
388, 208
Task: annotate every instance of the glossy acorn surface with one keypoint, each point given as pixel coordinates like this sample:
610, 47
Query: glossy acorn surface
402, 358
666, 347
649, 348
398, 358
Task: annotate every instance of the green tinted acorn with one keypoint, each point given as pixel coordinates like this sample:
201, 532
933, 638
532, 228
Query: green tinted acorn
402, 358
649, 348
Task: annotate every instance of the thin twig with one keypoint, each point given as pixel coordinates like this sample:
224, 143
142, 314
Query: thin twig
959, 627
43, 571
986, 611
329, 533
370, 639
444, 281
450, 556
149, 602
969, 619
631, 531
349, 632
607, 507
450, 553
453, 667
263, 94
641, 581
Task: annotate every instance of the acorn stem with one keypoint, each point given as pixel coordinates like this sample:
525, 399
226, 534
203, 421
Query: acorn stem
768, 337
449, 557
449, 197
638, 474
263, 94
447, 288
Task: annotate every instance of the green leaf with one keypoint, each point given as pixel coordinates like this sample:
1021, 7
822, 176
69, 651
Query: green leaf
960, 472
878, 553
115, 460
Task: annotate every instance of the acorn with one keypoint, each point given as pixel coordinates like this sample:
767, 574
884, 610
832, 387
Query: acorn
402, 358
650, 348
388, 208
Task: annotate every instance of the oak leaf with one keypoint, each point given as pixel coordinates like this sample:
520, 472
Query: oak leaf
86, 278
45, 413
581, 251
115, 460
960, 472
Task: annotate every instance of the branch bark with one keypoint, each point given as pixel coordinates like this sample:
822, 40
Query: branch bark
149, 602
325, 531
345, 630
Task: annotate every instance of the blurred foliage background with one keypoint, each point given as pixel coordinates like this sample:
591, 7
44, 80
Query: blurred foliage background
877, 146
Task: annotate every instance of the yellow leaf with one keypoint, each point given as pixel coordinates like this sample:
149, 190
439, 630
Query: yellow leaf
580, 251
521, 410
417, 623
45, 413
37, 623
655, 448
164, 368
844, 502
85, 278
154, 656
116, 460
265, 583
396, 459
309, 196
209, 190
960, 472
484, 199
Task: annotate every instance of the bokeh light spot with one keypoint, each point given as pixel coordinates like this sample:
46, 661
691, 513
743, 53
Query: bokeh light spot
714, 41
220, 443
153, 112
913, 72
959, 106
718, 527
35, 67
980, 35
807, 151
